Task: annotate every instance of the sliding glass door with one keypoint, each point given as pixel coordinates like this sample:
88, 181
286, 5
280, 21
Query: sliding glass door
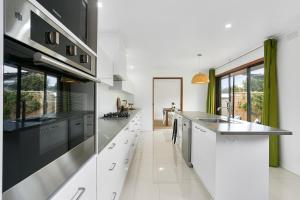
244, 90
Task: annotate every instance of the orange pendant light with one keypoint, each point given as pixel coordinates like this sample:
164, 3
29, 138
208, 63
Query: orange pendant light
200, 78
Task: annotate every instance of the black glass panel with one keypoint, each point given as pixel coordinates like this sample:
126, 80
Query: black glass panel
46, 113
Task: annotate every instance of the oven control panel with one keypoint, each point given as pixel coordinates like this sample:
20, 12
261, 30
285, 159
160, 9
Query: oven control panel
47, 36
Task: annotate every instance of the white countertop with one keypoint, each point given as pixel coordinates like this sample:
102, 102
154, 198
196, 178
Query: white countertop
238, 127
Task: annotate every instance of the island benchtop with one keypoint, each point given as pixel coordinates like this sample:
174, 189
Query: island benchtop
239, 128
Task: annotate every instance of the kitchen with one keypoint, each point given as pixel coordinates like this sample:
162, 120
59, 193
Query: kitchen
78, 100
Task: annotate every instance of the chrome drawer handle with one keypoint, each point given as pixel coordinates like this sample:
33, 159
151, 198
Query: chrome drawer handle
112, 146
126, 142
202, 130
113, 165
79, 193
114, 196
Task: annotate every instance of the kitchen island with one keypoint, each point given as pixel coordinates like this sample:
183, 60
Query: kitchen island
231, 157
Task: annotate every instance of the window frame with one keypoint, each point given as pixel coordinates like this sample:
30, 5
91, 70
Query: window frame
228, 74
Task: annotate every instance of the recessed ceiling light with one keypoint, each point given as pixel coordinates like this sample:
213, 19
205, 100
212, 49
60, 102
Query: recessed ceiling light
131, 67
228, 26
100, 4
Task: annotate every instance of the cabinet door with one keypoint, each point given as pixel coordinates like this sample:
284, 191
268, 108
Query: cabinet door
195, 147
88, 125
76, 131
204, 155
82, 185
105, 68
179, 131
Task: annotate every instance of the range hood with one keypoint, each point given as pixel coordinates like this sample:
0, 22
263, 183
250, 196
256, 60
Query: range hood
122, 85
118, 78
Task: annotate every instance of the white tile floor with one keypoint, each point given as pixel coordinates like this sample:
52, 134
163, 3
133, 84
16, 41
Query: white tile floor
158, 172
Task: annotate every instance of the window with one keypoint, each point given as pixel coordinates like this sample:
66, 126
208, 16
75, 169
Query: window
257, 93
239, 100
244, 89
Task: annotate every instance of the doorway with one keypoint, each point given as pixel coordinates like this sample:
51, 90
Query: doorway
167, 93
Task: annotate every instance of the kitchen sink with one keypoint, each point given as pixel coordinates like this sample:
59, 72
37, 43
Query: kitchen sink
217, 120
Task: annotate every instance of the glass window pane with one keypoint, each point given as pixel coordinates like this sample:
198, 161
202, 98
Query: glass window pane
240, 94
257, 88
32, 93
51, 94
10, 92
224, 94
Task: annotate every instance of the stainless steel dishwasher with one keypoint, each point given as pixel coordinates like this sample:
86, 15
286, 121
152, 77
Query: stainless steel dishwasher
187, 141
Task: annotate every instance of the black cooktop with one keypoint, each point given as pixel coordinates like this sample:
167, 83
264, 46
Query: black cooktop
116, 115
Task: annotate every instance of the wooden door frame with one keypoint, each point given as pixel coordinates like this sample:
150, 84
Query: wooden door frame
181, 93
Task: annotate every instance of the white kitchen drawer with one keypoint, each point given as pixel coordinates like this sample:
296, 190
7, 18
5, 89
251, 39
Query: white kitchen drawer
108, 177
113, 163
82, 186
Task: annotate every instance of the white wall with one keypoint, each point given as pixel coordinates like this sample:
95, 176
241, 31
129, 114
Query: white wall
289, 108
166, 91
254, 55
107, 99
289, 96
194, 96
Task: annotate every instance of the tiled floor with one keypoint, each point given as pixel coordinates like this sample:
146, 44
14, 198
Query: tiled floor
158, 172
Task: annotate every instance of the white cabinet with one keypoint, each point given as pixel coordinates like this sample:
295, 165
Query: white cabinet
113, 45
82, 185
113, 161
204, 155
105, 68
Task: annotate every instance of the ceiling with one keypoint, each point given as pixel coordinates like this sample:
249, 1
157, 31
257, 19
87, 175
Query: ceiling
169, 33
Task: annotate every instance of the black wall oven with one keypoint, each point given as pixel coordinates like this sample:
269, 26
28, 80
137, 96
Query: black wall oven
49, 104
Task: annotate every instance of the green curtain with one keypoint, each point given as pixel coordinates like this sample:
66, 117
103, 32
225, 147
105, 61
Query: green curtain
210, 102
270, 105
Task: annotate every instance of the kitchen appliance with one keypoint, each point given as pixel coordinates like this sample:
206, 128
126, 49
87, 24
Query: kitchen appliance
49, 104
72, 13
26, 22
118, 104
116, 115
130, 106
187, 141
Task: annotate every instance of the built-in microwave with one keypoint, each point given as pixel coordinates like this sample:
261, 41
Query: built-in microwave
72, 13
49, 90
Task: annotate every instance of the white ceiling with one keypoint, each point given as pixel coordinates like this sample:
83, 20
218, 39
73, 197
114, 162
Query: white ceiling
169, 33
